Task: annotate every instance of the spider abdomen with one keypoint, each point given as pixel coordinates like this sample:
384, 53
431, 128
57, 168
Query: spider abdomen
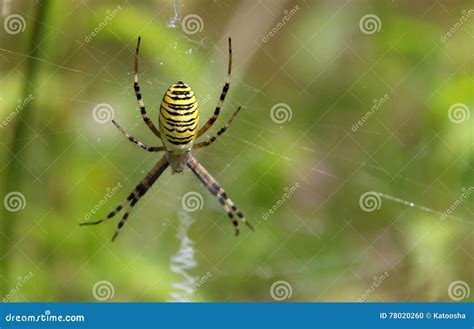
179, 118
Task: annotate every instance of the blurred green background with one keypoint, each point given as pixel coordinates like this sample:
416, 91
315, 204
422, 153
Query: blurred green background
306, 72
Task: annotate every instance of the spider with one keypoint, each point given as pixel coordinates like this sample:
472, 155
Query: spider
178, 130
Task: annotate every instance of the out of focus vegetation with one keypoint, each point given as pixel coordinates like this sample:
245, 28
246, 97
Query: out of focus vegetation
327, 72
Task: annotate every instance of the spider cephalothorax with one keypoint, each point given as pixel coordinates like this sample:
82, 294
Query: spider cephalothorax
178, 130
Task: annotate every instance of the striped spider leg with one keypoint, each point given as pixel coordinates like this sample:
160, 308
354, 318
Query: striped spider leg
136, 141
225, 89
216, 190
136, 194
138, 94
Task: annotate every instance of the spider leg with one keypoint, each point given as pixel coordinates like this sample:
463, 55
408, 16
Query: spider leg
216, 190
138, 94
133, 198
225, 89
220, 132
136, 141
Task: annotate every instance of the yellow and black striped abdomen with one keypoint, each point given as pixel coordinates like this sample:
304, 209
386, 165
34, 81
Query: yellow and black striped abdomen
179, 118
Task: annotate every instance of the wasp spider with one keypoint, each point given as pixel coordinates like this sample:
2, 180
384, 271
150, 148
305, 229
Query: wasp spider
178, 130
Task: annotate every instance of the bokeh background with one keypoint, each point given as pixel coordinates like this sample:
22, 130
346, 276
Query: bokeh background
353, 156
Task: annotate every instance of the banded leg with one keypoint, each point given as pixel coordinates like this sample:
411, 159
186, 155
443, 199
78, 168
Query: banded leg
136, 194
138, 94
136, 141
225, 89
216, 190
220, 132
